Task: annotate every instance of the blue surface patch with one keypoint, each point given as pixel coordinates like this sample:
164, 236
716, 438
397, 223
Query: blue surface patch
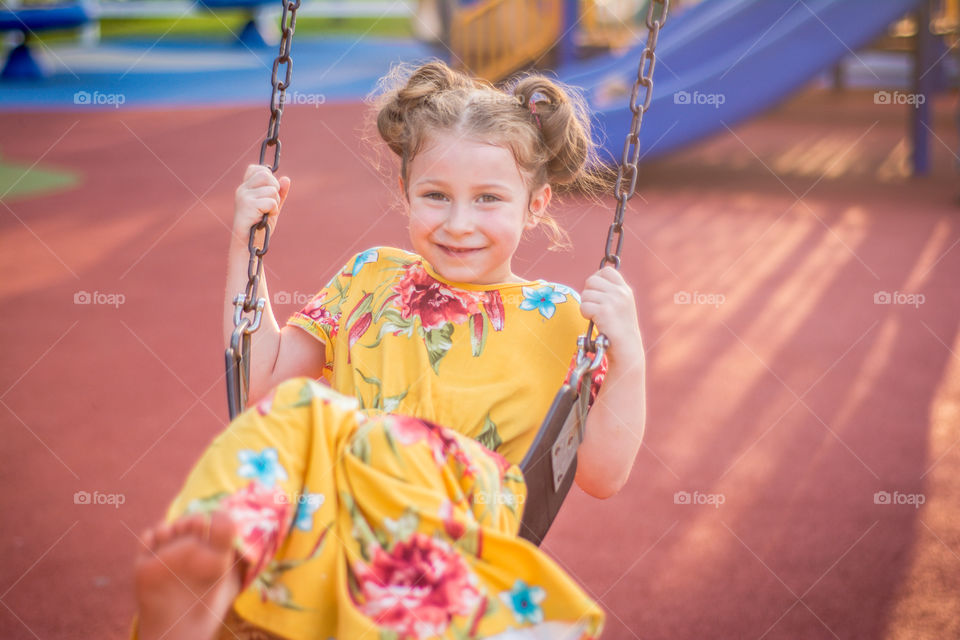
145, 73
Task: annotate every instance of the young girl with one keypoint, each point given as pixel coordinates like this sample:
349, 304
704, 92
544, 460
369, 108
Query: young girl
387, 504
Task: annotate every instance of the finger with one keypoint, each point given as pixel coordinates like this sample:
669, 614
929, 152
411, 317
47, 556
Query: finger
284, 189
262, 177
267, 205
264, 192
597, 282
592, 296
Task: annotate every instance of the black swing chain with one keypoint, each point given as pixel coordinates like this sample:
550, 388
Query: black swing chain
248, 301
627, 171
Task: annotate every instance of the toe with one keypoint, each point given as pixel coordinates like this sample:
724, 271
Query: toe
162, 535
221, 530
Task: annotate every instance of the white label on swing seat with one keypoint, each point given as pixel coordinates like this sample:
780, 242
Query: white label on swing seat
571, 435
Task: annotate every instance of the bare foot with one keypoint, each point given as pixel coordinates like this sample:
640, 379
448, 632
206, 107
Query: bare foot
186, 578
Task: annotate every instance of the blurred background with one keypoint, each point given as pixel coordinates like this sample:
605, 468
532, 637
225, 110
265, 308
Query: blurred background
793, 247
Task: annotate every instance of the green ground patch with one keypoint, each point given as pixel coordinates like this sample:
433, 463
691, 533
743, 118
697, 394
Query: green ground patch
225, 23
19, 180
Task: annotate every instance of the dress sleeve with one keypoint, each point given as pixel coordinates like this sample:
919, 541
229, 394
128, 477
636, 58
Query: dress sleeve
320, 317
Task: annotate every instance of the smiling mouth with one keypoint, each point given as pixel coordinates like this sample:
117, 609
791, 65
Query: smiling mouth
458, 251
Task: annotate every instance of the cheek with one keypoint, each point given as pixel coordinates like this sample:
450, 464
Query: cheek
422, 221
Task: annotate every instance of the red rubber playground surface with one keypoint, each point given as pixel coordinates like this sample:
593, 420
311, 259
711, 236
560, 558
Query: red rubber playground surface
784, 400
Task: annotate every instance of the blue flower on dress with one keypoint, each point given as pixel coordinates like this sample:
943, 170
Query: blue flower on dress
370, 255
544, 299
525, 601
307, 505
262, 466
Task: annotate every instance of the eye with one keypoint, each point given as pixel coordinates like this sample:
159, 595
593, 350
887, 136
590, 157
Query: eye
434, 195
489, 197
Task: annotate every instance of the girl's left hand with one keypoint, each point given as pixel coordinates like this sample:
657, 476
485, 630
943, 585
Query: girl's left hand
608, 300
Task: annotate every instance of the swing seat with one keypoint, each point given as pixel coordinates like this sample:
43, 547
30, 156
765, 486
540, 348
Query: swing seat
551, 463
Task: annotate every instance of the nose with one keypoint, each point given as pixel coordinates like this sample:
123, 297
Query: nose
459, 220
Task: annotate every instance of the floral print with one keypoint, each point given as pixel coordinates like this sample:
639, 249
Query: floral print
544, 299
524, 601
307, 505
261, 466
435, 303
365, 257
356, 524
417, 587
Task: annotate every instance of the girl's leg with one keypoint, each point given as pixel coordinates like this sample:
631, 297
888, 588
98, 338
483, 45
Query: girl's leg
186, 577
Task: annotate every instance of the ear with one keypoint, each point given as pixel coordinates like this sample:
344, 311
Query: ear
539, 200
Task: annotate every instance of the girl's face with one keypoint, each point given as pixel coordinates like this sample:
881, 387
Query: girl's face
469, 207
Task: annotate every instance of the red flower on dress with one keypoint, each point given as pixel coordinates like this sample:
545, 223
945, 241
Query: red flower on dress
316, 311
418, 587
434, 302
493, 304
441, 440
262, 515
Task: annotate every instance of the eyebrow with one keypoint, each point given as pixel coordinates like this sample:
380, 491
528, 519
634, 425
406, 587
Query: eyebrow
487, 185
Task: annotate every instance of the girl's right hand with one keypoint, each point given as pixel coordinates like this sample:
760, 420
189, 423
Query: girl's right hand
259, 193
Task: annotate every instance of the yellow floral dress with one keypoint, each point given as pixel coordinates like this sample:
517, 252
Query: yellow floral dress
384, 500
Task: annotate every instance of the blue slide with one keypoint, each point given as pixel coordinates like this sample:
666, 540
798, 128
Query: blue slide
723, 61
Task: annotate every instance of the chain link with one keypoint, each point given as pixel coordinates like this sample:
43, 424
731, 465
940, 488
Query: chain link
628, 170
248, 301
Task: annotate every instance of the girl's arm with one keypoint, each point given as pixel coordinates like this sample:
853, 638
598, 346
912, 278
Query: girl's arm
275, 354
616, 422
614, 429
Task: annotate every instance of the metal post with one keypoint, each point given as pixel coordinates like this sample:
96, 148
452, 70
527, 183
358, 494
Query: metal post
924, 84
566, 48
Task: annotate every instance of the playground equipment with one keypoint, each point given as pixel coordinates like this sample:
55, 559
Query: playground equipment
492, 39
257, 32
21, 63
733, 59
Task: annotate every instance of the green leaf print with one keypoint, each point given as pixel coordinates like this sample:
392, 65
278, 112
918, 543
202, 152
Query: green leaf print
312, 389
489, 436
388, 634
403, 527
360, 442
394, 324
469, 542
361, 529
390, 403
365, 305
403, 262
208, 504
438, 343
271, 590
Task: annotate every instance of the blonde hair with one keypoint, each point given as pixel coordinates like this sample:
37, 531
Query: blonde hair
550, 141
